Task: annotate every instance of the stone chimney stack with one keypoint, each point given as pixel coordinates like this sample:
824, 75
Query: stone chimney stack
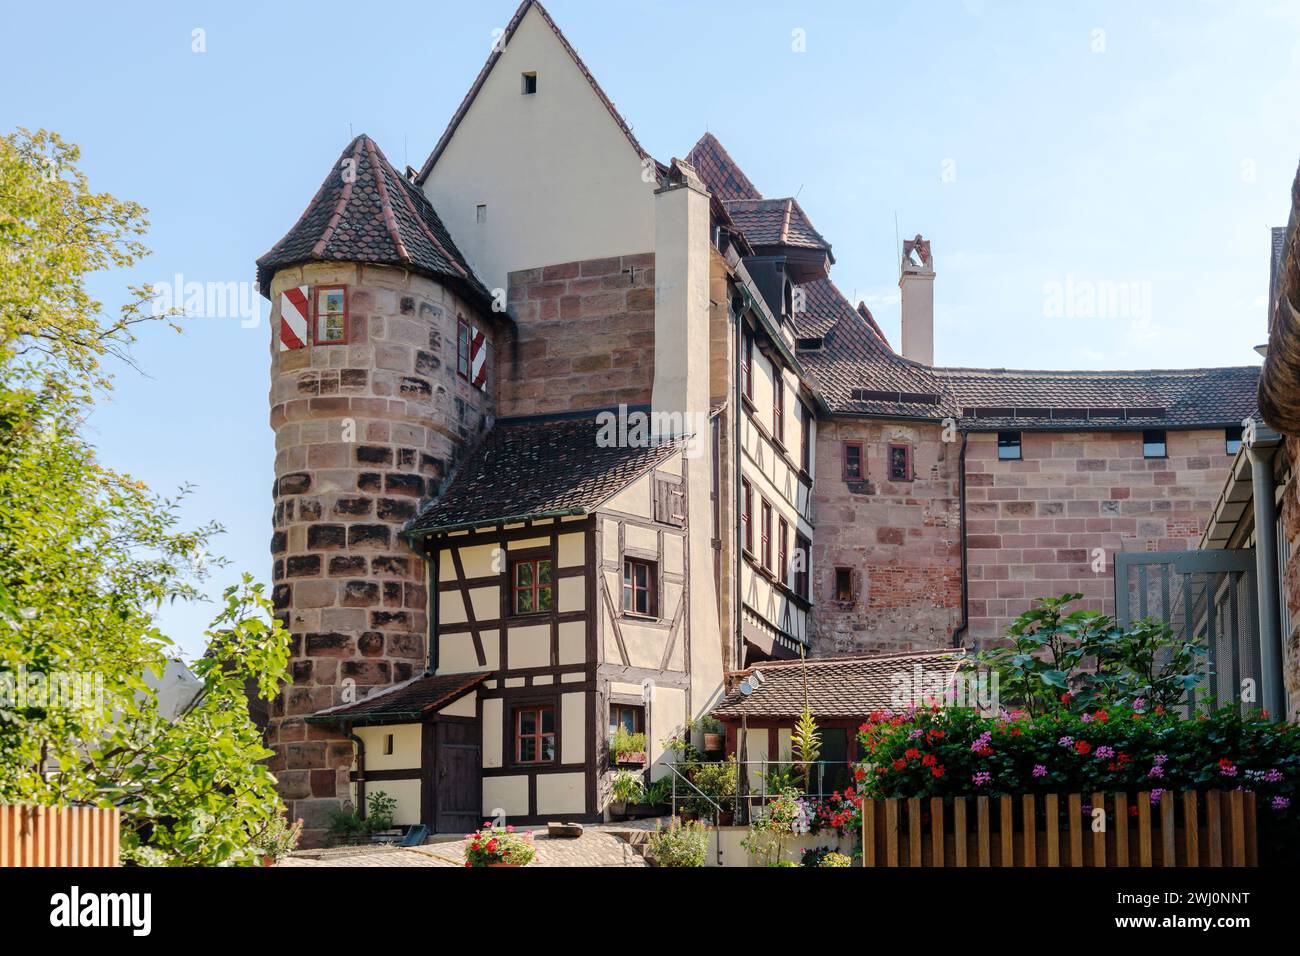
916, 282
681, 376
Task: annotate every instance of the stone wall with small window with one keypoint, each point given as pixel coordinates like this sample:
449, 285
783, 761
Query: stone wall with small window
887, 546
1050, 520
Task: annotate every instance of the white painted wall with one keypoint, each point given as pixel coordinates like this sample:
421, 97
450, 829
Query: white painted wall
560, 179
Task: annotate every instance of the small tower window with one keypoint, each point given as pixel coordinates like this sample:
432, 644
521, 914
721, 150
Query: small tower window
331, 325
844, 584
388, 745
480, 213
1009, 446
1232, 439
529, 85
1153, 444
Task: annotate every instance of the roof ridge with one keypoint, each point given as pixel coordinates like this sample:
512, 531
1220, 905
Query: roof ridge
498, 51
712, 142
953, 370
856, 659
385, 203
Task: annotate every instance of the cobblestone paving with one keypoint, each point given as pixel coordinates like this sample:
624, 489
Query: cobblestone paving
597, 846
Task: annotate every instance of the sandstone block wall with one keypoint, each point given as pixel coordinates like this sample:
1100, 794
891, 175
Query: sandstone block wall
1032, 524
901, 539
585, 336
364, 434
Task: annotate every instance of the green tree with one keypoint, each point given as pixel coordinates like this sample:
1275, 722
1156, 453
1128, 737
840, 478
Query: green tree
88, 556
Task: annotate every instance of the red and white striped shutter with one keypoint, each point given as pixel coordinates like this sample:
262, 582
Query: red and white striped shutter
293, 318
478, 351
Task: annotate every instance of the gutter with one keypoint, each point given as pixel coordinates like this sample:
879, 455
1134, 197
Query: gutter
413, 533
361, 768
1272, 692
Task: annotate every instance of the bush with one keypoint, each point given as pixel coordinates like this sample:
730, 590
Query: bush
627, 787
380, 809
835, 859
1078, 660
684, 843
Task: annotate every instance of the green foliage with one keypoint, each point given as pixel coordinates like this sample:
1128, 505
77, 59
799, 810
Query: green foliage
380, 810
88, 555
684, 843
835, 859
718, 780
347, 826
660, 792
1062, 659
626, 787
806, 744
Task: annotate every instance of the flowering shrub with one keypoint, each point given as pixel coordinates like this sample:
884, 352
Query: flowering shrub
841, 812
498, 845
950, 752
785, 815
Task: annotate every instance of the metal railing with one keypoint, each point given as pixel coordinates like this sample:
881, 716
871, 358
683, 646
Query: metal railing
825, 777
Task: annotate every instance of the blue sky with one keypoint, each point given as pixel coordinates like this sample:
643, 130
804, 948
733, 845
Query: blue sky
1042, 147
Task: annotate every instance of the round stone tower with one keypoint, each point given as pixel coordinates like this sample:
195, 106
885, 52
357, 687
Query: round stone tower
378, 385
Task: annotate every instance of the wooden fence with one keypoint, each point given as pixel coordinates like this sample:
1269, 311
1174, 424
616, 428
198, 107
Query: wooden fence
1213, 829
58, 836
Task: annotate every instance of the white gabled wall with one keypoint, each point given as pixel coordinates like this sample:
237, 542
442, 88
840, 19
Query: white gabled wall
559, 177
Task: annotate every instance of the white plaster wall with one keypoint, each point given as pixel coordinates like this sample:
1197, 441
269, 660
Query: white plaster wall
560, 179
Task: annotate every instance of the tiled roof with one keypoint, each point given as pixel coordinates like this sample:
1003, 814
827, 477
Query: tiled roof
775, 222
1152, 398
850, 687
365, 211
498, 49
528, 467
410, 700
858, 373
855, 356
715, 166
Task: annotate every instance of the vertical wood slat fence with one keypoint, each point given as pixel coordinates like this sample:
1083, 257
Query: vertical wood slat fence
1214, 829
58, 836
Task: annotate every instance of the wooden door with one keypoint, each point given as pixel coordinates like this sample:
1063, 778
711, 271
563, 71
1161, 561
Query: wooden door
457, 777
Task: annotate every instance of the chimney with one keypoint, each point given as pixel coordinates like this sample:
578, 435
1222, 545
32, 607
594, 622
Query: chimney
916, 282
681, 374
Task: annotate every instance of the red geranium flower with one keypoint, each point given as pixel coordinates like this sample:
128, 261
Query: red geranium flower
937, 771
900, 763
929, 760
1083, 747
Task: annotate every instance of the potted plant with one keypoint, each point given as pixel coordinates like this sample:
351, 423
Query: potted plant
626, 788
718, 782
499, 846
715, 741
627, 748
380, 810
277, 839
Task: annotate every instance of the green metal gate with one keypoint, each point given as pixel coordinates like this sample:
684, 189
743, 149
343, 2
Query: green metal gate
1209, 596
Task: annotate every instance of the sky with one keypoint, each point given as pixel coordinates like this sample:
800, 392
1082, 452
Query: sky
1097, 179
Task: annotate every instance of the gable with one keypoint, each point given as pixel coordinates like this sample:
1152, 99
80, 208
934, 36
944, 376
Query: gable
560, 176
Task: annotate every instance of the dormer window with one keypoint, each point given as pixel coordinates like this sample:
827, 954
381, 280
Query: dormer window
808, 344
529, 84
